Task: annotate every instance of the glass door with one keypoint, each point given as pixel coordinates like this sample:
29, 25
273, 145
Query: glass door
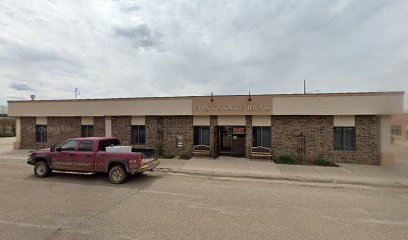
232, 141
238, 142
225, 134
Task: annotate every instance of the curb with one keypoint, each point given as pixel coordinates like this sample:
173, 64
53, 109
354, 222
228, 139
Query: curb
288, 178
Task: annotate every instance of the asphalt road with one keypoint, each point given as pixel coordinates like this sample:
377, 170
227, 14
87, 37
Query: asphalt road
168, 206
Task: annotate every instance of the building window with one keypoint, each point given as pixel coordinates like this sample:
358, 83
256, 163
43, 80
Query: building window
41, 133
396, 130
138, 135
87, 131
261, 136
344, 138
201, 135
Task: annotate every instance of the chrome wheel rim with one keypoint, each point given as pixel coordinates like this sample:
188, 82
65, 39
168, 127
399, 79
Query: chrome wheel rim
117, 175
40, 170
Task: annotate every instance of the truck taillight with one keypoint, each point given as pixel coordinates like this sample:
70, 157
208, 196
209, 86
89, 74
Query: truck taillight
139, 160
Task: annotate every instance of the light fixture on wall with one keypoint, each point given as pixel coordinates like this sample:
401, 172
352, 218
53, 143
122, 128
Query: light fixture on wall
212, 97
249, 96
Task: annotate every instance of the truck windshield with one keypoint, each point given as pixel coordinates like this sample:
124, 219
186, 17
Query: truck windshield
108, 143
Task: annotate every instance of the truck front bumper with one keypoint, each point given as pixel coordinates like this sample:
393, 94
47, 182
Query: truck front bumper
30, 161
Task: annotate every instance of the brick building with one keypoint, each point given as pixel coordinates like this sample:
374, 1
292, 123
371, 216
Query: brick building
341, 127
399, 127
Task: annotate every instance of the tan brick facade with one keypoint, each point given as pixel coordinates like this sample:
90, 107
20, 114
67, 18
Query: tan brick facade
367, 147
308, 138
304, 137
213, 136
58, 130
174, 127
121, 129
61, 128
99, 126
159, 130
248, 136
28, 134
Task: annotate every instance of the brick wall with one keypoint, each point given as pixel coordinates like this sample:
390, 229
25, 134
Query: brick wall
58, 130
214, 136
28, 134
248, 136
99, 126
367, 148
174, 127
151, 131
121, 129
303, 137
159, 130
310, 137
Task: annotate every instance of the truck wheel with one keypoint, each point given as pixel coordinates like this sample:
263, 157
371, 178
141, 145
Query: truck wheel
41, 169
117, 174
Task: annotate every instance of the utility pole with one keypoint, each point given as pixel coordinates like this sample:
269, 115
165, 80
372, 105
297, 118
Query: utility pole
304, 86
77, 93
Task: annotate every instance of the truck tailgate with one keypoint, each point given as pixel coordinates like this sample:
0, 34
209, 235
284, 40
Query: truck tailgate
148, 164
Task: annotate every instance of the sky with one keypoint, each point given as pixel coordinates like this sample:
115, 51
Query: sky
124, 48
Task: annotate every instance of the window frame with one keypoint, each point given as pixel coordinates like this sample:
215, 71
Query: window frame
41, 136
200, 137
87, 129
261, 131
396, 128
140, 140
343, 139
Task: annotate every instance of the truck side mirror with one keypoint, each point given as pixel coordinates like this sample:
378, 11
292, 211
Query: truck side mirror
58, 149
52, 149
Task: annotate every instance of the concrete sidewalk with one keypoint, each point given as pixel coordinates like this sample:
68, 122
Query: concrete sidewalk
245, 168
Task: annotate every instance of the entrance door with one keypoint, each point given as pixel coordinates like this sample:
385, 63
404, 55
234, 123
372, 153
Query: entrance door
225, 134
238, 141
232, 141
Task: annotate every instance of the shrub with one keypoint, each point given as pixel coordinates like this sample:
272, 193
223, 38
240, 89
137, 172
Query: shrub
159, 149
168, 156
285, 160
7, 134
185, 156
322, 162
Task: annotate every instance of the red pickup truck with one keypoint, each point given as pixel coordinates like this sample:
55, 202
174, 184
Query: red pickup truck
90, 155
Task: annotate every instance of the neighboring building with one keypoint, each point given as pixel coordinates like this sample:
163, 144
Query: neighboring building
7, 124
342, 127
399, 127
3, 111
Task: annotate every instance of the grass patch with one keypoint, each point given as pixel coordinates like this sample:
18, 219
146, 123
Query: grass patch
285, 160
185, 156
7, 134
323, 162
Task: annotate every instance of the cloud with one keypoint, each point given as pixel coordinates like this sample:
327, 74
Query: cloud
140, 36
127, 48
20, 87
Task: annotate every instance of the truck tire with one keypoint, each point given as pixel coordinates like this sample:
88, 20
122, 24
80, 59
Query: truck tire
117, 174
41, 169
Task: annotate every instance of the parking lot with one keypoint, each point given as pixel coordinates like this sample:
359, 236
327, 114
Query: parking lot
162, 205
